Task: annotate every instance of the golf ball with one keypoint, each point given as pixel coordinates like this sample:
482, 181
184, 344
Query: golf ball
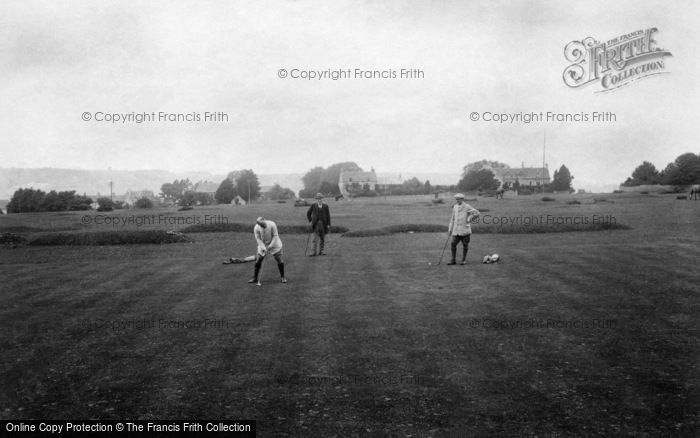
429, 263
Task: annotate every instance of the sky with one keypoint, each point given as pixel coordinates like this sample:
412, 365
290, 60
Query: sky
62, 60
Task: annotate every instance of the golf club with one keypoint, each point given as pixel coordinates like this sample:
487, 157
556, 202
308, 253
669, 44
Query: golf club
306, 248
262, 263
327, 240
443, 249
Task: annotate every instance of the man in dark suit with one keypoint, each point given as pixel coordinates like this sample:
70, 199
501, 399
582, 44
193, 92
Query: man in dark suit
320, 217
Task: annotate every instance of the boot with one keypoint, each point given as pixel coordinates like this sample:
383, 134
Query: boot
258, 264
453, 261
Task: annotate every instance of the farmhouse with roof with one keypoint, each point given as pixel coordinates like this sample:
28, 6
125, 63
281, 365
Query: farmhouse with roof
352, 181
526, 176
207, 187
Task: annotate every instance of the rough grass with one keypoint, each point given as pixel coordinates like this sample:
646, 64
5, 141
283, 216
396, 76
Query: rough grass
240, 227
489, 229
547, 228
373, 339
20, 229
394, 229
122, 237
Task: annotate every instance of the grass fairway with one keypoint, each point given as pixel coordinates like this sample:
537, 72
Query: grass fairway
574, 334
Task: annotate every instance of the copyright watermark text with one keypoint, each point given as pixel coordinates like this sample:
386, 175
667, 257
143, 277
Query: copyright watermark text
339, 74
154, 117
547, 324
542, 117
151, 219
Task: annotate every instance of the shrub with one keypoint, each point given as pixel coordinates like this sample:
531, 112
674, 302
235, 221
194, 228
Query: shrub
438, 201
124, 237
12, 240
618, 191
143, 203
185, 208
104, 204
574, 202
547, 199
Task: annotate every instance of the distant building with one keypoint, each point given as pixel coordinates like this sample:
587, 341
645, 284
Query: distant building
131, 196
526, 176
353, 181
207, 187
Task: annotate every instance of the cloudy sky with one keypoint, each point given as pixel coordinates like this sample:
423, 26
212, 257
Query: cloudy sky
62, 59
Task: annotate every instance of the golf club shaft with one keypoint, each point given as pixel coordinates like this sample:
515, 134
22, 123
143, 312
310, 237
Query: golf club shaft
260, 272
444, 248
308, 238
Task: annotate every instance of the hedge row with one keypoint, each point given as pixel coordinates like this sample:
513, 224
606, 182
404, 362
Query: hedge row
239, 227
489, 229
395, 229
126, 237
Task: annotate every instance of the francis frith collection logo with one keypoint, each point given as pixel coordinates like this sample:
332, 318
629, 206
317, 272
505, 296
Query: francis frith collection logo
614, 63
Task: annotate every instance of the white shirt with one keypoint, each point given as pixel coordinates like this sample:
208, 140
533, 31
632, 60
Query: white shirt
459, 222
268, 239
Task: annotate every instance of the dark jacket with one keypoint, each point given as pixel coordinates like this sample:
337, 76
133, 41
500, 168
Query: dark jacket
316, 214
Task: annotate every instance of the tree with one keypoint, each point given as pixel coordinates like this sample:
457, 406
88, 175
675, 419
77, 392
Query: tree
645, 173
26, 201
143, 202
104, 204
478, 165
328, 188
325, 181
226, 192
247, 185
427, 188
176, 190
312, 181
482, 179
80, 203
562, 179
277, 192
30, 200
684, 170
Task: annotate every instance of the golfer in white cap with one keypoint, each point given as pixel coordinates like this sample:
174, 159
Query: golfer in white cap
268, 240
460, 227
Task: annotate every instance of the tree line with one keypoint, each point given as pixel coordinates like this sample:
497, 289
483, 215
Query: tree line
683, 171
33, 200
